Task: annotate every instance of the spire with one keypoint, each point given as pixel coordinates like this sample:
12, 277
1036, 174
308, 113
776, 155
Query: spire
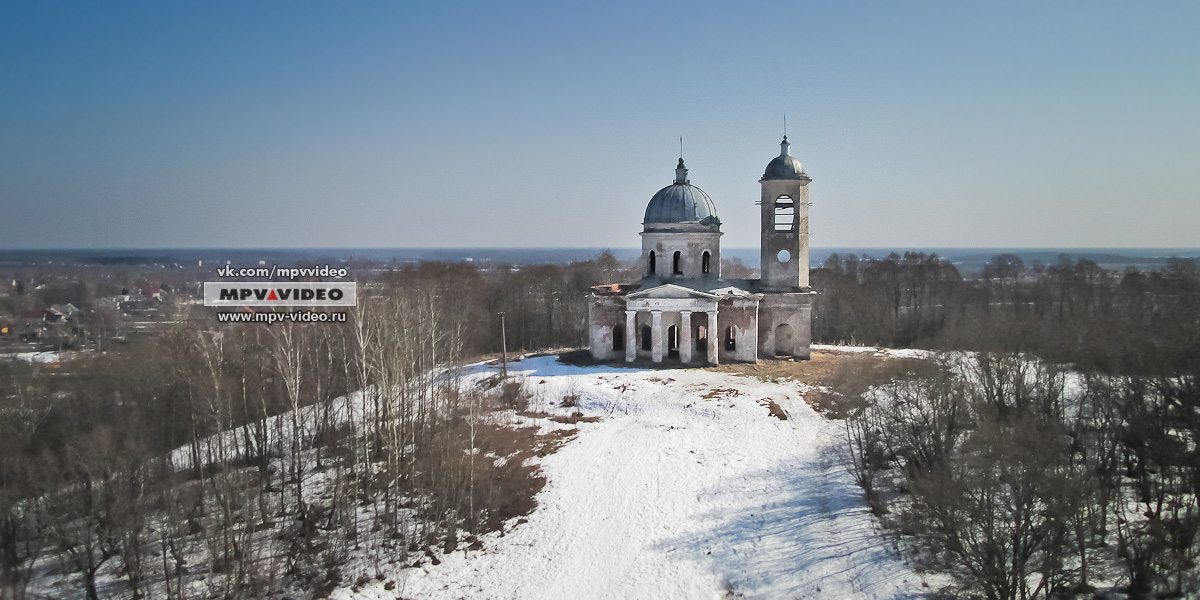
783, 147
681, 173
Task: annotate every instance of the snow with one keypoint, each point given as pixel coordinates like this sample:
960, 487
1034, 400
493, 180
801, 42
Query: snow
685, 488
876, 351
40, 357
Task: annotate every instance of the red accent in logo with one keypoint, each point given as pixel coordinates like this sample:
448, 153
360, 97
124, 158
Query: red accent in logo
272, 296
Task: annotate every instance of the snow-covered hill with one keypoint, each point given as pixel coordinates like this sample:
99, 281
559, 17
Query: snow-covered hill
686, 487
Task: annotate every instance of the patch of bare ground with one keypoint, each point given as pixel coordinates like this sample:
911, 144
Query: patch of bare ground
567, 419
812, 372
579, 358
775, 410
718, 393
526, 442
549, 443
575, 418
825, 371
583, 358
495, 358
514, 485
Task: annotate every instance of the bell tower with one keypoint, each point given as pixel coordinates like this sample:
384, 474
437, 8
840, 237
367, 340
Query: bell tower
784, 259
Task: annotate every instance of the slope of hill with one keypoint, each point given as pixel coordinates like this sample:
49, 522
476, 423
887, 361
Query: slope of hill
687, 484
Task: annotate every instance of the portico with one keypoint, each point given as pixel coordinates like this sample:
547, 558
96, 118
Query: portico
670, 322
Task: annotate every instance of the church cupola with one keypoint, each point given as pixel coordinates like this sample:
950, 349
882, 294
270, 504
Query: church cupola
682, 203
681, 235
784, 166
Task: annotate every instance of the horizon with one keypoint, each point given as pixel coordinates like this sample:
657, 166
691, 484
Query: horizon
595, 248
969, 259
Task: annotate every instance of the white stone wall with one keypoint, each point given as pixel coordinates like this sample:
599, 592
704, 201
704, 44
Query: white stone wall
794, 272
604, 314
792, 309
690, 245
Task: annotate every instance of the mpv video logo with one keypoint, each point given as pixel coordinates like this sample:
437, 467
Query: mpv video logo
258, 293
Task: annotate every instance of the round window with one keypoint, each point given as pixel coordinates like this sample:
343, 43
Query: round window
784, 256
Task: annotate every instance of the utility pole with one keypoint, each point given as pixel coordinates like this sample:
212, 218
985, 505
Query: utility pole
503, 350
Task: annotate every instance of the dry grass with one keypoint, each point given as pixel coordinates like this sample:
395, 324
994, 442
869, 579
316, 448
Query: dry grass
826, 369
816, 371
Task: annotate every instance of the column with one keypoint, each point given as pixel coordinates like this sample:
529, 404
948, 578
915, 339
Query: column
713, 336
630, 335
752, 335
656, 336
685, 336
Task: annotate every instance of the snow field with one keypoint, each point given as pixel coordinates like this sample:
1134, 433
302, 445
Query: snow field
685, 488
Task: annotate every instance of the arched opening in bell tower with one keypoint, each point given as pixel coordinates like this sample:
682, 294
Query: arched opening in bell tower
785, 214
676, 268
650, 263
704, 263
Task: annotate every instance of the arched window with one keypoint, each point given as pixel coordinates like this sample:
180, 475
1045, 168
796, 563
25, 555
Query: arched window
646, 341
785, 214
704, 259
676, 268
618, 338
730, 339
650, 269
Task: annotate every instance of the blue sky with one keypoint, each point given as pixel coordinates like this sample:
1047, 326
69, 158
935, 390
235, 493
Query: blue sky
176, 124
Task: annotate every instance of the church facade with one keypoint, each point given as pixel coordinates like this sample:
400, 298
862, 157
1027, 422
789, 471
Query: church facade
682, 310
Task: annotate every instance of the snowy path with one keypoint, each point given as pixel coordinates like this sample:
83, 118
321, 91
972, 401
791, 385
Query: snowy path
675, 495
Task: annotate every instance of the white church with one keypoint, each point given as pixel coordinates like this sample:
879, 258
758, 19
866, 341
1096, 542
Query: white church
682, 310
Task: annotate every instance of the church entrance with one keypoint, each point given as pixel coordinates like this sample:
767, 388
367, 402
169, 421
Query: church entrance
785, 344
673, 341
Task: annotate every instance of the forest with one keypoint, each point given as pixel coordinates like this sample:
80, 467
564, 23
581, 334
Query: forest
1050, 448
1052, 442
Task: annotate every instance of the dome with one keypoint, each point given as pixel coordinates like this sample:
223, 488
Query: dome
784, 166
681, 202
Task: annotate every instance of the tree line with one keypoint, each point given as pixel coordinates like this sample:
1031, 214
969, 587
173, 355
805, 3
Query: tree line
1070, 311
249, 460
1059, 456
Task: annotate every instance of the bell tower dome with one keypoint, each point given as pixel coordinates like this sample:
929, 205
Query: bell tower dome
784, 258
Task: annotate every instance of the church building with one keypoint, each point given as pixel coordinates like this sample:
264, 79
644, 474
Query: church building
682, 310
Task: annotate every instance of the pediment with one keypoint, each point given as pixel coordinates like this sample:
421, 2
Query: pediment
670, 290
